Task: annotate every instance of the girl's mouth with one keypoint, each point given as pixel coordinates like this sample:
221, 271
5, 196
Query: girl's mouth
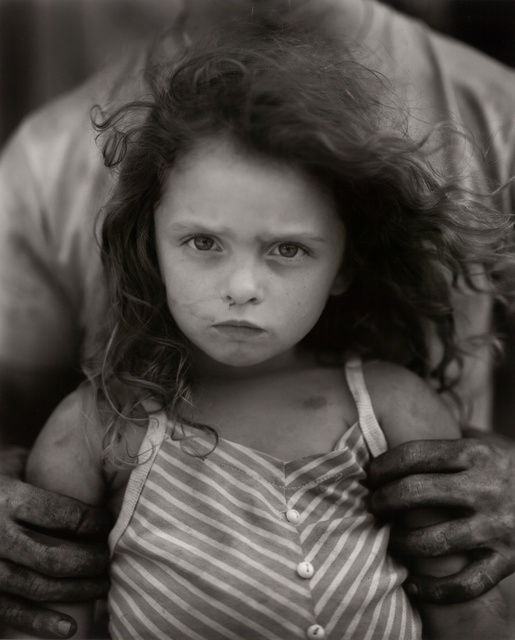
237, 323
238, 329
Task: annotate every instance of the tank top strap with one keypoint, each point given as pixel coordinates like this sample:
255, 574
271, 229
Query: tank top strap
156, 432
372, 432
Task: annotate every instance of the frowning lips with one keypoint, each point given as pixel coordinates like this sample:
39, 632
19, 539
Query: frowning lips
238, 323
239, 328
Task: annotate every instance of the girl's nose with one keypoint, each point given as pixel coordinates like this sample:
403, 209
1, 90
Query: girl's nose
243, 287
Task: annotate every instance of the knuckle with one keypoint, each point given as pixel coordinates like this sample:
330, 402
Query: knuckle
37, 589
10, 540
433, 543
465, 451
470, 533
9, 532
506, 563
470, 499
411, 491
473, 587
410, 453
50, 561
71, 516
482, 534
488, 496
440, 543
485, 492
10, 494
477, 452
430, 543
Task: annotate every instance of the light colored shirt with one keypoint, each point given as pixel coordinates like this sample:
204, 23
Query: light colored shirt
241, 545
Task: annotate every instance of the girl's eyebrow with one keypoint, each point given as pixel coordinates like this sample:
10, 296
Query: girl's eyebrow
300, 236
269, 237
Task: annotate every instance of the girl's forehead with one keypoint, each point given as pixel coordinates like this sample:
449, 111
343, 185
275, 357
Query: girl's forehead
225, 186
225, 149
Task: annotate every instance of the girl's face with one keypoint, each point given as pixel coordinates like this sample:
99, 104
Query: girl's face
249, 252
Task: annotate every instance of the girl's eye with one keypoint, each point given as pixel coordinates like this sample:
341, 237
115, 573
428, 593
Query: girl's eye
289, 250
201, 243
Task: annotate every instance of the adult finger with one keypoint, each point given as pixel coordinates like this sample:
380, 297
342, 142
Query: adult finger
59, 514
53, 557
420, 491
454, 536
22, 581
420, 456
33, 620
476, 578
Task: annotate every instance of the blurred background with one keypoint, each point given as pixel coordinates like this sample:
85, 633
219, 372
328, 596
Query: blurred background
48, 46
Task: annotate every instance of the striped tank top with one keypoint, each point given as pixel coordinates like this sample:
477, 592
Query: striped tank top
241, 545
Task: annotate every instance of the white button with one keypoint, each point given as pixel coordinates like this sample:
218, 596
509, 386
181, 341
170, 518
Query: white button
305, 569
315, 631
293, 516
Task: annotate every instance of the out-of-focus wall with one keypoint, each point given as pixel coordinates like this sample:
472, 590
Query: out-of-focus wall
48, 46
488, 25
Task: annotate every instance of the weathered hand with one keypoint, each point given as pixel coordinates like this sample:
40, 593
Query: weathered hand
32, 570
475, 479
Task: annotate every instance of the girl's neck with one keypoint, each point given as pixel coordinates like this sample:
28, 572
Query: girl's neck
207, 370
289, 409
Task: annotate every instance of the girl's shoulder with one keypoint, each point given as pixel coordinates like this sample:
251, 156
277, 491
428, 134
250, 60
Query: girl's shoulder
66, 457
406, 406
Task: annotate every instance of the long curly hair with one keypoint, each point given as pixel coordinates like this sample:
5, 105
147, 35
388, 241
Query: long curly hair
297, 98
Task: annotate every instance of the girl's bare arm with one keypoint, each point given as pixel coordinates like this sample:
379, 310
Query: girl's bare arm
408, 409
66, 459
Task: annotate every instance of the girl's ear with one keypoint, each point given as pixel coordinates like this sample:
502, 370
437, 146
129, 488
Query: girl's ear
340, 283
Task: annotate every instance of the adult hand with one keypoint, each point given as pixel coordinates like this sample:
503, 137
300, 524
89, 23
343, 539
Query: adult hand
33, 570
475, 479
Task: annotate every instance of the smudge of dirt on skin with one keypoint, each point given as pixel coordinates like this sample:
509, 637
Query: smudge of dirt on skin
314, 403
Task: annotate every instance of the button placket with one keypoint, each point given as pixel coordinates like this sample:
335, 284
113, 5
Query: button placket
306, 571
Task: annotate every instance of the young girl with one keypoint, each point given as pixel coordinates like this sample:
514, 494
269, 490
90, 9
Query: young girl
271, 248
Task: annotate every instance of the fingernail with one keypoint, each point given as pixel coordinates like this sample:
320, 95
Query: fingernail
64, 627
411, 589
